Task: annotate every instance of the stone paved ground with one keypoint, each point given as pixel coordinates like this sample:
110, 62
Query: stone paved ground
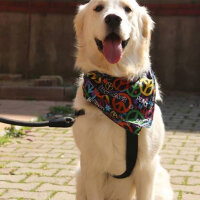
42, 164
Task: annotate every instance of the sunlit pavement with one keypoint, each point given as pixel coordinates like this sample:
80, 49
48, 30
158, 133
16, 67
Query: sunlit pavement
42, 164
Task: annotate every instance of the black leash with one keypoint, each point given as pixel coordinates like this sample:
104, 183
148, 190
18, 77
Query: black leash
63, 122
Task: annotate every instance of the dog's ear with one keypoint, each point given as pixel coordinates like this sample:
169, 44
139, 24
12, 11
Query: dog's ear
79, 21
146, 23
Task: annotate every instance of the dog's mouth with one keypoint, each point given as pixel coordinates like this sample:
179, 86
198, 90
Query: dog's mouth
112, 47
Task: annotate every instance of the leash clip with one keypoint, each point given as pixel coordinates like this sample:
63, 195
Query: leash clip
62, 122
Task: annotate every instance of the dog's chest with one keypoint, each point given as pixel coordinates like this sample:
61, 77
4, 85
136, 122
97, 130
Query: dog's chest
100, 139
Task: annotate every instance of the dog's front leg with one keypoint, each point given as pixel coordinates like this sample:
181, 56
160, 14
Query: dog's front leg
93, 181
93, 186
145, 181
80, 187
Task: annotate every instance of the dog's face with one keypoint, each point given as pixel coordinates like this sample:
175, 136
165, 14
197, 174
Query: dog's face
112, 33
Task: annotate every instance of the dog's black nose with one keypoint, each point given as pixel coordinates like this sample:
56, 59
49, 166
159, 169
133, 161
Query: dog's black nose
113, 21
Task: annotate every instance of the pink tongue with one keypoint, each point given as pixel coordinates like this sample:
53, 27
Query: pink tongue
112, 50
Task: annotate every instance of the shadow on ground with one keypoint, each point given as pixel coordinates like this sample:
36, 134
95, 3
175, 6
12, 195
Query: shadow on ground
181, 112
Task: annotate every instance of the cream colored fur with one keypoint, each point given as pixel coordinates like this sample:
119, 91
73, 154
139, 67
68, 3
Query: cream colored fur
102, 142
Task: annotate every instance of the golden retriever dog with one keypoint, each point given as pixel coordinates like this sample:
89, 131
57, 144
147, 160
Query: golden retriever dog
113, 37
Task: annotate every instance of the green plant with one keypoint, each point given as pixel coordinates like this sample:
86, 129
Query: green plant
4, 139
63, 110
14, 132
56, 110
40, 119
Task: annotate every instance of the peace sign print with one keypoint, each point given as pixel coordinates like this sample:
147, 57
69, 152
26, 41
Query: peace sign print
109, 86
114, 114
105, 97
146, 86
137, 130
95, 77
120, 84
126, 126
121, 106
134, 115
134, 91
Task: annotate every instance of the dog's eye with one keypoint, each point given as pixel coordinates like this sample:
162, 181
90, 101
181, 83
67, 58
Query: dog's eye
99, 8
127, 9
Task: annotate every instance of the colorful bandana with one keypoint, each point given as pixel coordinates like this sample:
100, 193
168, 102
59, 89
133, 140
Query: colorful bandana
130, 104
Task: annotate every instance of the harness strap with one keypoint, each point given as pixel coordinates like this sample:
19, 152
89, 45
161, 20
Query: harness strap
79, 112
131, 154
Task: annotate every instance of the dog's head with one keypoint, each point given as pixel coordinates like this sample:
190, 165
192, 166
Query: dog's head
113, 35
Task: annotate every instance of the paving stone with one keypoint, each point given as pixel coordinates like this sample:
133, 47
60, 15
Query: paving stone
176, 195
188, 188
47, 155
186, 162
57, 166
52, 187
14, 158
31, 150
16, 178
194, 180
192, 144
177, 167
177, 180
41, 172
197, 168
72, 182
2, 191
52, 160
25, 195
21, 186
167, 160
178, 137
7, 149
198, 159
24, 165
65, 173
181, 157
52, 180
186, 196
63, 196
7, 171
170, 151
